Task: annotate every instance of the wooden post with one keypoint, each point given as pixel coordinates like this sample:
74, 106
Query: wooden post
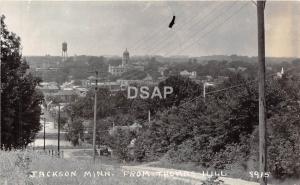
44, 133
95, 118
204, 91
0, 86
58, 129
261, 90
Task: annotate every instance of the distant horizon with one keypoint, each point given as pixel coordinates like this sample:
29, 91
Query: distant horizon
201, 28
120, 56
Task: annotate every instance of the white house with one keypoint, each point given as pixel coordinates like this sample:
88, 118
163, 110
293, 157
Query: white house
191, 75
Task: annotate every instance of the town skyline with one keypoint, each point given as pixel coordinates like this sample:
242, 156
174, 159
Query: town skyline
220, 28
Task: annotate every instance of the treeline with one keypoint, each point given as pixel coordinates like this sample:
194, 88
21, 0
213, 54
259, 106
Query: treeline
219, 132
80, 67
20, 101
222, 131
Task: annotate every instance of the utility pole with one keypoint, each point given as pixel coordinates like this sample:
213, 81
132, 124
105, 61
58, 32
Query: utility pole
204, 91
58, 129
44, 133
0, 86
95, 118
149, 116
261, 89
20, 122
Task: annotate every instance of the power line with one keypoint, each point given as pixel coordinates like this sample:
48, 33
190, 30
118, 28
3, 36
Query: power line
139, 43
162, 27
211, 92
183, 26
143, 40
204, 26
211, 30
162, 44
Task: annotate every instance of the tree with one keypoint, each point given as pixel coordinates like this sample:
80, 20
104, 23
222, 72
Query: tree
21, 101
183, 89
119, 142
75, 132
219, 132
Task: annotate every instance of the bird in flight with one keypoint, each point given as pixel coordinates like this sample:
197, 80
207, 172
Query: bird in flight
172, 22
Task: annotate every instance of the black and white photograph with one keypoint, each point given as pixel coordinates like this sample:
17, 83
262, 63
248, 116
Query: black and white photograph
156, 92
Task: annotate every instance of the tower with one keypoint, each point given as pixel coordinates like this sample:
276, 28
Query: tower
125, 60
64, 52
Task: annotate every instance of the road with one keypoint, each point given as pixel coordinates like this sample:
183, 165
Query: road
51, 134
195, 178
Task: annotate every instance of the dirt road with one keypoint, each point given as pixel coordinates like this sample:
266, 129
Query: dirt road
195, 178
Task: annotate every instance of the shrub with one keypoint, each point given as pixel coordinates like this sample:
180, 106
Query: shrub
119, 143
213, 181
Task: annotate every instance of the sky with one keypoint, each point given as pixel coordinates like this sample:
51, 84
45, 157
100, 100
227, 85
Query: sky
106, 28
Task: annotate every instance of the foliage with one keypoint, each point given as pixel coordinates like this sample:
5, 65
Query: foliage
284, 139
75, 132
213, 181
120, 140
183, 88
221, 131
152, 68
20, 99
133, 75
215, 68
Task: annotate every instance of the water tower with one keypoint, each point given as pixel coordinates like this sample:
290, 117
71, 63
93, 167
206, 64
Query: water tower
64, 51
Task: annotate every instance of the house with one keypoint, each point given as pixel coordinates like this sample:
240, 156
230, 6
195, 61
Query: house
66, 95
134, 127
80, 91
48, 87
191, 75
161, 70
69, 84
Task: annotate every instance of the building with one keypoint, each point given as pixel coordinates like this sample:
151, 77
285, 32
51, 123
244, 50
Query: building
147, 81
161, 70
66, 95
69, 84
80, 91
280, 74
133, 128
48, 87
124, 67
191, 75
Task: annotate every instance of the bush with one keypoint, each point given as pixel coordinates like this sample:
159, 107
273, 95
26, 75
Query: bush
119, 143
213, 181
284, 150
75, 132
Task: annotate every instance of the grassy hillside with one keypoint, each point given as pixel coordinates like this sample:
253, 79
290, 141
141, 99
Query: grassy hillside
18, 168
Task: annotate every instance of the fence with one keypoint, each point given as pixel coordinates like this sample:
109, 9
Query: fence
52, 153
